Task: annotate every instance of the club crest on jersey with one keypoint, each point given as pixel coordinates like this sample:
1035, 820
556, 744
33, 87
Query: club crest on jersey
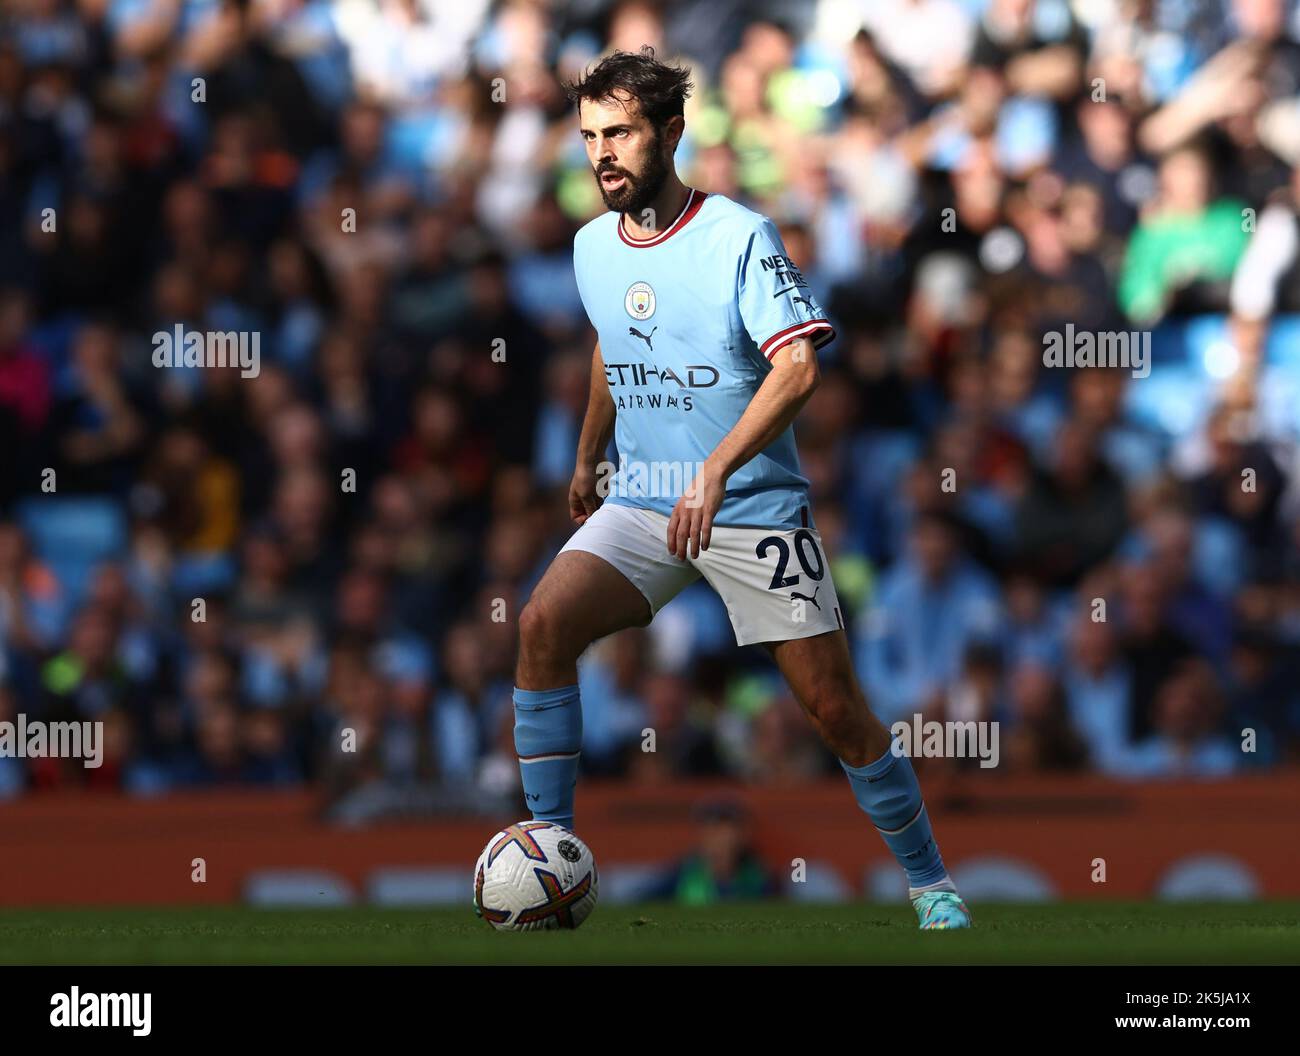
640, 300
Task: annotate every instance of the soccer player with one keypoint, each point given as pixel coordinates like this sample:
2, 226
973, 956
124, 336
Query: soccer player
706, 351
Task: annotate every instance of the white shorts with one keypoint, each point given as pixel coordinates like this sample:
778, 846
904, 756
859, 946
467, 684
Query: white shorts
776, 583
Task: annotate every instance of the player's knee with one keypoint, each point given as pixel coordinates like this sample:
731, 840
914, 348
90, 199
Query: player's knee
534, 622
837, 712
543, 631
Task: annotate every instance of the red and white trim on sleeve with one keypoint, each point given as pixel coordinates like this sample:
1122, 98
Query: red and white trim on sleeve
693, 202
823, 329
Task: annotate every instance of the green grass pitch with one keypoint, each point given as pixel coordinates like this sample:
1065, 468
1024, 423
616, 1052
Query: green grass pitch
767, 933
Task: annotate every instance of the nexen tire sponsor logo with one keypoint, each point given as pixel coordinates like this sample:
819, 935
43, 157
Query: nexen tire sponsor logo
76, 1009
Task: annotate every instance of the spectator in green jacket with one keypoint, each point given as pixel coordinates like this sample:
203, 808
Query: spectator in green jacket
723, 867
1187, 244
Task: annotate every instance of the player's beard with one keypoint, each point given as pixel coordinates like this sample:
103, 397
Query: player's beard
639, 189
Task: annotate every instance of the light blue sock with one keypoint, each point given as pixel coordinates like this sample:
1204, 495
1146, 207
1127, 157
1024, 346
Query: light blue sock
548, 740
888, 791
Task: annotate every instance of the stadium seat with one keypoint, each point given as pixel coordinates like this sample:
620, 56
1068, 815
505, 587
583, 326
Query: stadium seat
1208, 878
419, 886
73, 536
821, 883
624, 884
290, 888
1283, 346
883, 881
998, 879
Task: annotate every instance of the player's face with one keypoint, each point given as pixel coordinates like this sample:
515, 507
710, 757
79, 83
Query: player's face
629, 156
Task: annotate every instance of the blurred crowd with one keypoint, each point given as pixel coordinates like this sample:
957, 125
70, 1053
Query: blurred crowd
234, 573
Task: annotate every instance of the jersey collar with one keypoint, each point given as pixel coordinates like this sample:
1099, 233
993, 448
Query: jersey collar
693, 202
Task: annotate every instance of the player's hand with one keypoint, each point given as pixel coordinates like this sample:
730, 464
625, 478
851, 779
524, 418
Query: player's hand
691, 525
584, 498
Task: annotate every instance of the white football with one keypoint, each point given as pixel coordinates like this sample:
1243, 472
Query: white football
535, 875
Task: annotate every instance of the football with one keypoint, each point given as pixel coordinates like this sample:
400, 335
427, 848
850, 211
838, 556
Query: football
535, 875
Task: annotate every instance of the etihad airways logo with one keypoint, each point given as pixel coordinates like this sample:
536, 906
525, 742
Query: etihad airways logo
667, 385
639, 375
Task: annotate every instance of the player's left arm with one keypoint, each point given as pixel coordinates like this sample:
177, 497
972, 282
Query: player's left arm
774, 406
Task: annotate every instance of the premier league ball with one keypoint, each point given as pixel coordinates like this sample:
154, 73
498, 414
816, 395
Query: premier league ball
535, 875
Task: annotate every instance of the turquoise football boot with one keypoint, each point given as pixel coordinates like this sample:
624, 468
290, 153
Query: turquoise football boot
941, 910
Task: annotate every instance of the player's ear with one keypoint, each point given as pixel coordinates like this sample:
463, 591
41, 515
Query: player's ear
673, 129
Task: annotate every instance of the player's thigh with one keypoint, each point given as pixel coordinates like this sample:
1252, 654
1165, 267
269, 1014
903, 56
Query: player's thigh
631, 542
581, 598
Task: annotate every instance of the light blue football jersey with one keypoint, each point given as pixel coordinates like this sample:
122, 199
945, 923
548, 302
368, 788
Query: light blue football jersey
687, 320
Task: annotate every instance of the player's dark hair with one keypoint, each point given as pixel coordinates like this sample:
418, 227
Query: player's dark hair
659, 89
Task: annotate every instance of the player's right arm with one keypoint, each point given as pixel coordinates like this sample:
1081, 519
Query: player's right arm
597, 430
